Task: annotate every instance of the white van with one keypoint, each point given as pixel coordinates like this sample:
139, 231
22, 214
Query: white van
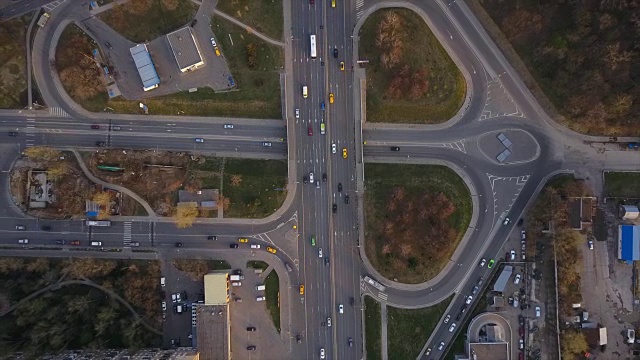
261, 298
236, 283
162, 281
96, 243
304, 92
260, 288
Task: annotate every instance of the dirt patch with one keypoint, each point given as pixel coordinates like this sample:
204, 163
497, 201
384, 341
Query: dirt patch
70, 190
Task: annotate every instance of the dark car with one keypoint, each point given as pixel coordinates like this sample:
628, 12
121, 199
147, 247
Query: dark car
251, 348
95, 127
233, 246
13, 133
212, 237
324, 177
45, 228
334, 208
521, 320
520, 222
352, 301
194, 22
350, 342
251, 328
326, 260
395, 148
346, 199
237, 272
335, 53
60, 242
231, 82
339, 187
521, 331
299, 339
108, 45
305, 179
100, 144
178, 244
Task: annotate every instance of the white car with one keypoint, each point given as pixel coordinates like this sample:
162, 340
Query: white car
506, 221
178, 297
441, 345
512, 255
538, 311
446, 319
341, 309
255, 246
469, 299
228, 126
321, 353
521, 346
164, 306
483, 262
517, 279
452, 327
213, 42
199, 140
23, 241
320, 252
297, 113
590, 243
333, 148
174, 298
428, 351
523, 234
311, 177
328, 321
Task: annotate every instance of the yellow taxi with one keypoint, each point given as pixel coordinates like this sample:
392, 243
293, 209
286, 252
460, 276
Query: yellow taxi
301, 289
333, 3
217, 51
331, 98
243, 240
271, 250
342, 65
344, 153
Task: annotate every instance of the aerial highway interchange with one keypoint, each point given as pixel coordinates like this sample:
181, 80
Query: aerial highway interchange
497, 100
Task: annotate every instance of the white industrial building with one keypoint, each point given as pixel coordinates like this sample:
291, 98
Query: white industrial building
146, 69
185, 49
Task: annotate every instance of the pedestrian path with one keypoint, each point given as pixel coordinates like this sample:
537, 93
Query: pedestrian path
383, 332
56, 111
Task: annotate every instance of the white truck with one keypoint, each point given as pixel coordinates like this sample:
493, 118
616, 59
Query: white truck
43, 19
236, 277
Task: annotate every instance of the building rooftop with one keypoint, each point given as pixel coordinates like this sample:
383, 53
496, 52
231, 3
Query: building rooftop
146, 69
489, 351
184, 48
213, 332
216, 289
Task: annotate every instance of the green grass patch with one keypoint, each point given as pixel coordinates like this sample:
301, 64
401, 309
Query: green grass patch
429, 90
372, 329
429, 250
272, 293
218, 265
145, 20
13, 82
264, 16
417, 324
256, 264
255, 188
622, 184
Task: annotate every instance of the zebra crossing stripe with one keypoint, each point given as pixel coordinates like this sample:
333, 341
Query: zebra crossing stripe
58, 112
383, 296
126, 236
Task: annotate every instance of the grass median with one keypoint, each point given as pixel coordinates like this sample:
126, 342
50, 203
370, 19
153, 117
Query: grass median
264, 16
415, 217
415, 324
410, 77
272, 293
372, 329
622, 184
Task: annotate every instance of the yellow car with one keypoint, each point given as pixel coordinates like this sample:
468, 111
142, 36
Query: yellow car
331, 98
342, 65
217, 51
271, 250
243, 240
333, 3
344, 153
301, 289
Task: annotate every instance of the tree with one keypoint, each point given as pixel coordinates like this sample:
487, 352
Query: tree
57, 171
44, 153
573, 343
236, 180
186, 214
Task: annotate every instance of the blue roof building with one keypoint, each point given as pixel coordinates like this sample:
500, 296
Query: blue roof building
629, 242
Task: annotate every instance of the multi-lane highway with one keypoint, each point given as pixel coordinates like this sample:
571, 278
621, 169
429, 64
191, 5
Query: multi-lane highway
497, 101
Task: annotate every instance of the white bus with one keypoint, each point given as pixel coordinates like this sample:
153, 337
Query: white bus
313, 46
374, 283
98, 223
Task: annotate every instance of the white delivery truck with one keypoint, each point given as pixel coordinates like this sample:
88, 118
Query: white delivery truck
260, 288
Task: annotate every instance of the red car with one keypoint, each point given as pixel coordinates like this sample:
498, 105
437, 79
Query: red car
75, 242
521, 331
312, 2
310, 131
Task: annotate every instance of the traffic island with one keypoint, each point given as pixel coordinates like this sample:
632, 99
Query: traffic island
272, 294
410, 76
415, 217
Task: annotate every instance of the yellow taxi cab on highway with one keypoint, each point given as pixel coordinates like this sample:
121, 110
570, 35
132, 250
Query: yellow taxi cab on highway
271, 250
301, 289
333, 3
344, 153
243, 240
342, 65
330, 98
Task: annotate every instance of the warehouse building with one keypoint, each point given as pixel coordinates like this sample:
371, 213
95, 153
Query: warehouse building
185, 49
629, 243
146, 69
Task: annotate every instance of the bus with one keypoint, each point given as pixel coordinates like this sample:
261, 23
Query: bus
313, 46
374, 283
98, 223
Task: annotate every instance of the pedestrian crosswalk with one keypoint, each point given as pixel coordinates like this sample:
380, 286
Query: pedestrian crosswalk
30, 132
383, 296
359, 8
126, 235
52, 5
56, 111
